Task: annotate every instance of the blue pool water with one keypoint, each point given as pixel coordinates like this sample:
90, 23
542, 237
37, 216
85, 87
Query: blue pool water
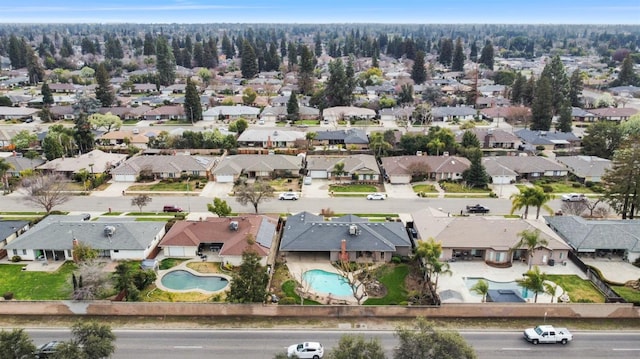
524, 293
183, 280
326, 283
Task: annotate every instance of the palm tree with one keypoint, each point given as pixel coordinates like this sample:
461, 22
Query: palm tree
481, 287
4, 168
310, 136
531, 240
338, 170
534, 281
525, 198
539, 199
551, 288
438, 268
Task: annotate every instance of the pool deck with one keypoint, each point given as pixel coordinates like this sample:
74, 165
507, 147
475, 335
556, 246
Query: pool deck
298, 266
183, 266
462, 270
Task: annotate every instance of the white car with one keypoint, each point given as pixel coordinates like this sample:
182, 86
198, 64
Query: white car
376, 196
311, 350
573, 197
288, 196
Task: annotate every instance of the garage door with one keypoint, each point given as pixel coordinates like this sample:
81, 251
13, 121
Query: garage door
318, 174
224, 178
175, 251
501, 179
125, 178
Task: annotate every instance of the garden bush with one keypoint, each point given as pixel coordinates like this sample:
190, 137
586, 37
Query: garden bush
576, 185
287, 301
15, 259
547, 188
7, 295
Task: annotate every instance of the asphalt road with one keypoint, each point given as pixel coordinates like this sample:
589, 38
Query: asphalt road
265, 344
16, 203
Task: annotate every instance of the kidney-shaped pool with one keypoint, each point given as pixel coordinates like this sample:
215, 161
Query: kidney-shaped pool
183, 280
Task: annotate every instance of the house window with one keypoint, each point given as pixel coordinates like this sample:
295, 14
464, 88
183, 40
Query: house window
560, 255
15, 252
24, 252
116, 251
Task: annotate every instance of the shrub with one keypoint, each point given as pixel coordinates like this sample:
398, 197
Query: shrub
547, 188
540, 148
589, 184
7, 295
287, 301
637, 262
396, 260
576, 185
15, 259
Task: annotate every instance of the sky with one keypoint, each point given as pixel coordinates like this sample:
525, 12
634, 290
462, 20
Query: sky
323, 11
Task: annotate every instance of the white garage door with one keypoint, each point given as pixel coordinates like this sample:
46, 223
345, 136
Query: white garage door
175, 251
318, 174
502, 179
125, 178
224, 178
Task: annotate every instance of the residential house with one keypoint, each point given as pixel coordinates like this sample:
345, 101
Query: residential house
586, 168
625, 91
599, 237
55, 236
548, 140
347, 238
144, 88
341, 113
163, 167
121, 138
401, 169
62, 88
10, 230
396, 114
490, 102
168, 112
352, 138
493, 139
580, 115
17, 113
499, 173
613, 113
526, 167
93, 162
224, 237
357, 168
499, 114
270, 138
257, 166
492, 239
491, 90
126, 113
279, 113
21, 163
6, 135
231, 113
64, 112
445, 114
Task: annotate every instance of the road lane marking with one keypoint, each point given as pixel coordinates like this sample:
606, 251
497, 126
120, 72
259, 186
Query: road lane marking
187, 347
626, 349
514, 349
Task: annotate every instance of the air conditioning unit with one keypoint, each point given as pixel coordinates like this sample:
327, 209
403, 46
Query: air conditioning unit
233, 225
353, 230
109, 231
418, 153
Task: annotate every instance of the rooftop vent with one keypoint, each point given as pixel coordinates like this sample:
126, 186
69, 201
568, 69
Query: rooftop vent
109, 231
233, 225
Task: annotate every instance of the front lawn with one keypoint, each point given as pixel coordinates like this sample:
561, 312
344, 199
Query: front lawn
579, 290
393, 279
452, 187
365, 188
166, 186
31, 285
566, 187
426, 188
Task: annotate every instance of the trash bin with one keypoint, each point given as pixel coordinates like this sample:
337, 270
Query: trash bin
551, 262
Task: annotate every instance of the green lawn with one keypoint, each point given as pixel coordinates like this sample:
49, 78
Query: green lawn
393, 280
629, 294
352, 188
428, 188
566, 187
289, 288
579, 289
458, 188
36, 285
165, 186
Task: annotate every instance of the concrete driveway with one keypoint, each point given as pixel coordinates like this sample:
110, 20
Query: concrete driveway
319, 188
399, 190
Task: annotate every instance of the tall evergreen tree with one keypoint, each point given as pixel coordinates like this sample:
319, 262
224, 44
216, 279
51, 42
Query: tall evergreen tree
542, 106
418, 71
476, 175
457, 63
575, 88
34, 69
149, 47
198, 54
486, 57
192, 105
564, 118
211, 54
318, 45
446, 51
249, 65
528, 91
104, 90
47, 95
227, 47
622, 182
17, 52
473, 54
292, 55
249, 284
66, 50
293, 109
559, 82
517, 89
336, 91
305, 74
165, 62
627, 75
469, 139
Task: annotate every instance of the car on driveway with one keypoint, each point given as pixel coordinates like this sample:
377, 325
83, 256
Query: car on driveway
288, 196
573, 197
310, 350
376, 196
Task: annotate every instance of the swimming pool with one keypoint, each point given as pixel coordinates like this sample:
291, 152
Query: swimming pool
326, 282
183, 280
524, 293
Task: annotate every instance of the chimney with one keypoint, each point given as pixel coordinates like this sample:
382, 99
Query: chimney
343, 251
74, 245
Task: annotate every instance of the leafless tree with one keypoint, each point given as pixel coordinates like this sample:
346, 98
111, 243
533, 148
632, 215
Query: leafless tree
419, 171
592, 205
303, 286
46, 191
254, 193
602, 211
141, 201
358, 276
90, 281
574, 208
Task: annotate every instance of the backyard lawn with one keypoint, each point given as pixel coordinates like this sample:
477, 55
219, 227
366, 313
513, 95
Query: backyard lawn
579, 290
393, 280
31, 285
629, 294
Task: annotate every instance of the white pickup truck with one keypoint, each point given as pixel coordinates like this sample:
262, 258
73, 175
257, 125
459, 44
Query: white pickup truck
547, 334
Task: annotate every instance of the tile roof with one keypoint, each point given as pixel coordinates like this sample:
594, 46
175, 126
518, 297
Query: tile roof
585, 166
401, 165
590, 235
101, 161
349, 136
254, 135
165, 164
353, 163
523, 165
234, 165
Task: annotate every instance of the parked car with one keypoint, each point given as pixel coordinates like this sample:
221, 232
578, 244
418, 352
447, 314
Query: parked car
573, 197
547, 334
171, 208
376, 196
478, 208
311, 350
45, 350
288, 196
307, 180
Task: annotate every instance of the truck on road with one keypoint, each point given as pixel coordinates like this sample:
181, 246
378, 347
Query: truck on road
477, 208
547, 334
